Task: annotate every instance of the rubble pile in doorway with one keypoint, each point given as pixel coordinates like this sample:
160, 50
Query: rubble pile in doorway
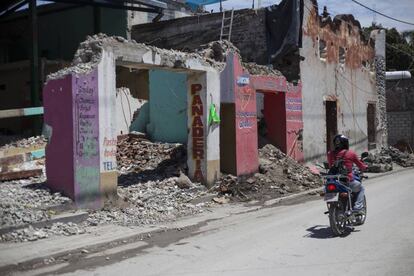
136, 154
278, 175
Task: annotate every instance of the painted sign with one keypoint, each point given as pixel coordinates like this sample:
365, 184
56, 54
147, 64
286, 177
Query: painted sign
294, 121
86, 143
197, 130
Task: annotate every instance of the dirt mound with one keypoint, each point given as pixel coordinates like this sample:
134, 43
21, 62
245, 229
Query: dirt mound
278, 175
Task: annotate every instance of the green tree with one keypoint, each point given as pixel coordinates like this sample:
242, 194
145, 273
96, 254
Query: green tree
399, 50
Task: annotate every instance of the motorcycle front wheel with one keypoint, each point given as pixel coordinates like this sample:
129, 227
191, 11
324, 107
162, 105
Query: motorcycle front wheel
337, 218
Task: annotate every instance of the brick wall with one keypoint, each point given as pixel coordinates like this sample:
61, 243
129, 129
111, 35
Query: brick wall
400, 127
400, 111
188, 33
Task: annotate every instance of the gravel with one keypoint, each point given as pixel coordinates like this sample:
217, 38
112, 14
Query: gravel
27, 201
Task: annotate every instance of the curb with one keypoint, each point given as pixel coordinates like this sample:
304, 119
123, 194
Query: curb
63, 218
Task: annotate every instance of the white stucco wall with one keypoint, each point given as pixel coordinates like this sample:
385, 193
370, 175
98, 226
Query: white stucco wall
352, 88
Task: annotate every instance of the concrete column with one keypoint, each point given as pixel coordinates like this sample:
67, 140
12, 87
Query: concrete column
239, 127
203, 142
380, 69
79, 114
107, 125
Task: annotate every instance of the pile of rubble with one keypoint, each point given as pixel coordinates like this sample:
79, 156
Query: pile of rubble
141, 158
382, 160
256, 69
152, 188
217, 51
152, 202
33, 234
22, 202
403, 159
278, 175
36, 141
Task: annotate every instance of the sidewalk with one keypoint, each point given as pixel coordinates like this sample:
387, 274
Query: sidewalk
22, 256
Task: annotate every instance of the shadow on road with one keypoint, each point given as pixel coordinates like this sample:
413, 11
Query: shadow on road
323, 232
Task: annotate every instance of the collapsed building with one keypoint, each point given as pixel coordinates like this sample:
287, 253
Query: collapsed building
43, 38
331, 80
341, 73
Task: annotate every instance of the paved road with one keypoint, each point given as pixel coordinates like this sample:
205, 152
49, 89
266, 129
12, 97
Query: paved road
288, 240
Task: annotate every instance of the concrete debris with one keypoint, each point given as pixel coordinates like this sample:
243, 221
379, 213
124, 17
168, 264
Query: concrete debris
150, 202
27, 201
33, 234
90, 51
149, 160
218, 50
5, 176
256, 69
221, 200
382, 160
403, 159
278, 175
36, 141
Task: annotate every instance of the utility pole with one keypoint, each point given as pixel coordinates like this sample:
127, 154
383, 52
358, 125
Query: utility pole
221, 6
34, 54
253, 4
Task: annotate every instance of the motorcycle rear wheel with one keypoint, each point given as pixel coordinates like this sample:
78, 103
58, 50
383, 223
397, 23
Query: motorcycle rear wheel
337, 218
361, 218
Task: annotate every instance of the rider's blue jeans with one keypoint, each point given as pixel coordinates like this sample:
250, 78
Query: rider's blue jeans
357, 187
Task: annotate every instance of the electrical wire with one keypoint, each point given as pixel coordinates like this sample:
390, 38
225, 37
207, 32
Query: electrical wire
380, 13
402, 51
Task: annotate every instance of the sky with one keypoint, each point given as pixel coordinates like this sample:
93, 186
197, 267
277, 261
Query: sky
401, 9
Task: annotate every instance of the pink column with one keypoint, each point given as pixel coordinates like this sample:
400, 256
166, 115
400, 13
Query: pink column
72, 155
239, 128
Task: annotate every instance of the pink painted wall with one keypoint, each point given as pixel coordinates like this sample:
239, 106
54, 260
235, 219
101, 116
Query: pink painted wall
71, 112
294, 122
57, 101
236, 90
282, 113
86, 140
247, 158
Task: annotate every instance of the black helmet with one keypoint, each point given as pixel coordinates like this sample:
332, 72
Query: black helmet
341, 142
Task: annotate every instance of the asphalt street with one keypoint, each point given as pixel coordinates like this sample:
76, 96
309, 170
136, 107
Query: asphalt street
283, 240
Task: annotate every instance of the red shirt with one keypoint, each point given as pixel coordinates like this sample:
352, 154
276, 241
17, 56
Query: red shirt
349, 157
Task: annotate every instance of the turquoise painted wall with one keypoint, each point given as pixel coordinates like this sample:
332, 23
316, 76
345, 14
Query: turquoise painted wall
167, 106
140, 123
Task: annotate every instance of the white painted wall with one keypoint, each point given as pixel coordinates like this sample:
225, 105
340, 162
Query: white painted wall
126, 106
353, 89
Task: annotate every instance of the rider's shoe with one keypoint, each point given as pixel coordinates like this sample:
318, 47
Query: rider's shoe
358, 212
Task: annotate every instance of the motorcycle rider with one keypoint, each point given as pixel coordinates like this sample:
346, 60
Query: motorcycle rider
349, 157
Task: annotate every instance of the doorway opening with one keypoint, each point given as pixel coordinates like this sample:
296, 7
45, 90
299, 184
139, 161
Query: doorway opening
371, 126
331, 123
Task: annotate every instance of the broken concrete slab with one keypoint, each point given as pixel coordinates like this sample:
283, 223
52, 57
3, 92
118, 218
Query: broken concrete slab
7, 176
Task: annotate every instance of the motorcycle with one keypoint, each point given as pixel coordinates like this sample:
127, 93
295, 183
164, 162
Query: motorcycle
340, 199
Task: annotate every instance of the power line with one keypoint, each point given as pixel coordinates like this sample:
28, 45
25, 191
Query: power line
380, 13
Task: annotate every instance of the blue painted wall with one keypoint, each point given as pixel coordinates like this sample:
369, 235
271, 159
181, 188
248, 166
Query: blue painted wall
167, 106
